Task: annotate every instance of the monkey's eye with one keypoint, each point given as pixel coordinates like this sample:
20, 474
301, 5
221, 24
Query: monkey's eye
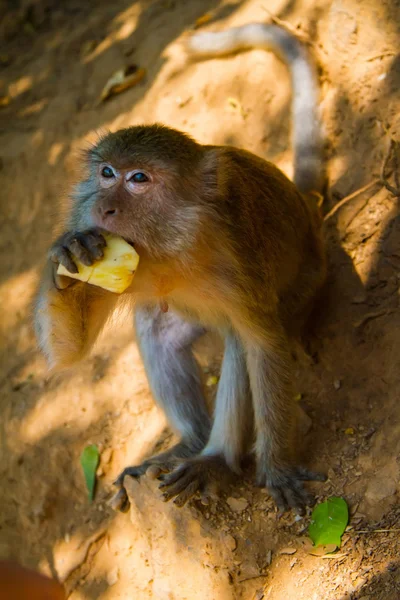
139, 177
107, 172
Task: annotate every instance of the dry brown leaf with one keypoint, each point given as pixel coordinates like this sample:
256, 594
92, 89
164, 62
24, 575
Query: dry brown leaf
121, 80
203, 20
4, 101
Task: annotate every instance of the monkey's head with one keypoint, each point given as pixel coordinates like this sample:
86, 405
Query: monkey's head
149, 185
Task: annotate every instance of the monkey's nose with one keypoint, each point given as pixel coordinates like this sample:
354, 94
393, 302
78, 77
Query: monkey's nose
108, 211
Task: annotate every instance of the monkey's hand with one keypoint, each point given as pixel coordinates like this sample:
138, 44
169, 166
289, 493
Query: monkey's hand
285, 485
203, 474
85, 247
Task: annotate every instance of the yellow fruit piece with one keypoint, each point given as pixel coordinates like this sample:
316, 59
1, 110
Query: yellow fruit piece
211, 381
114, 272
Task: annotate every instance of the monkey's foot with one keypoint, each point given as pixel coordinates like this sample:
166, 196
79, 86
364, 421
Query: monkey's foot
201, 474
286, 487
154, 467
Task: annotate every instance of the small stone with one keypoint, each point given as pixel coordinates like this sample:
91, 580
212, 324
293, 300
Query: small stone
381, 487
106, 455
298, 518
237, 504
230, 542
268, 558
288, 550
337, 384
113, 576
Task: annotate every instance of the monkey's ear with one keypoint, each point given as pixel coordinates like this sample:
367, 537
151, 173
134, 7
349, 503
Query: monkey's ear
69, 321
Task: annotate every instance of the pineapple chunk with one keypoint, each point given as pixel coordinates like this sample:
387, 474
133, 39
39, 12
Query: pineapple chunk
114, 272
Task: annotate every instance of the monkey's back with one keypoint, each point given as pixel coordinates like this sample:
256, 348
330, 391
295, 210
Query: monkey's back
275, 233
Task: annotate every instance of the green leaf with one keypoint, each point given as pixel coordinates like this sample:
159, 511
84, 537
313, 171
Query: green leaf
89, 462
328, 522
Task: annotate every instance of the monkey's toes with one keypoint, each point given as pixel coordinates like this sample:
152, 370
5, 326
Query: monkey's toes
182, 484
287, 490
119, 501
136, 472
201, 474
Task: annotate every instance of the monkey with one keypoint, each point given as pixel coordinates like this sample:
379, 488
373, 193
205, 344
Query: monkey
226, 243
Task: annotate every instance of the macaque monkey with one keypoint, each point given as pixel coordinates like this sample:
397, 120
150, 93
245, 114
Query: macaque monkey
226, 242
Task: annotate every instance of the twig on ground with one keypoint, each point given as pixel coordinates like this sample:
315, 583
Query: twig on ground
350, 197
373, 315
393, 190
381, 55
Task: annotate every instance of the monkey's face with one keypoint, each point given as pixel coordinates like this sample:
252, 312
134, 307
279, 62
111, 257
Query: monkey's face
144, 185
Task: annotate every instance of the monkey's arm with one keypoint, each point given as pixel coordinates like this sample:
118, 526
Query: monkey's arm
307, 129
68, 320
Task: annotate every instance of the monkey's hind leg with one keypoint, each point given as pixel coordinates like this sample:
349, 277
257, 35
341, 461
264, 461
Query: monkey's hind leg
230, 435
165, 342
273, 402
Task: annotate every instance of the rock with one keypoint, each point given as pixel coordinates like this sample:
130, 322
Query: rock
337, 384
381, 491
288, 550
382, 486
229, 542
106, 455
237, 504
113, 576
175, 549
304, 423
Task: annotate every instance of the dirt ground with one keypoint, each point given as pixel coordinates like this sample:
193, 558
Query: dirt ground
55, 58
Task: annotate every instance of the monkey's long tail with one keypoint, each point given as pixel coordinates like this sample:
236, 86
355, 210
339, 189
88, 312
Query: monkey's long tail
307, 128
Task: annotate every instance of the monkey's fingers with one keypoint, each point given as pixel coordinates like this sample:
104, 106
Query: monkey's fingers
132, 471
187, 493
119, 501
182, 483
279, 498
87, 247
156, 471
293, 496
170, 478
304, 474
61, 255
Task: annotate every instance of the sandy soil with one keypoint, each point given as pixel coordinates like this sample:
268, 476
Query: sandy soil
55, 58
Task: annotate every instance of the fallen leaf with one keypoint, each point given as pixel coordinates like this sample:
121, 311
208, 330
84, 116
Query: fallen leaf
212, 380
4, 101
89, 462
349, 431
203, 20
121, 80
328, 522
